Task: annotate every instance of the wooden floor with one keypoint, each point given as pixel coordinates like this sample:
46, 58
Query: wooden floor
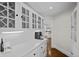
56, 53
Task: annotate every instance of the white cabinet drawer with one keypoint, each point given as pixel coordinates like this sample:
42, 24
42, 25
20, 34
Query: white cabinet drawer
39, 51
32, 53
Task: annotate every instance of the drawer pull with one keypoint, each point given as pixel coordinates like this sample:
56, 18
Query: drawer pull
34, 54
41, 47
16, 14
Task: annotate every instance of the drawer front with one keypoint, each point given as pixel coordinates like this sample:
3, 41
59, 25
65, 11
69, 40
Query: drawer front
40, 51
33, 53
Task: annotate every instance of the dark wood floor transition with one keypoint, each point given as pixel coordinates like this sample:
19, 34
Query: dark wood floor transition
57, 53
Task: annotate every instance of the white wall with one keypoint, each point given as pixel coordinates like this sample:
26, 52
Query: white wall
62, 32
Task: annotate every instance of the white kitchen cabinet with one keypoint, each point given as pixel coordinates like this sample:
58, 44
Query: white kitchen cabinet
39, 51
42, 49
75, 32
7, 14
25, 16
19, 15
10, 15
33, 53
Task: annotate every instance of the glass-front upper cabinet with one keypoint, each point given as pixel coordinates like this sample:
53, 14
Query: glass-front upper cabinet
25, 18
39, 23
42, 23
34, 20
7, 14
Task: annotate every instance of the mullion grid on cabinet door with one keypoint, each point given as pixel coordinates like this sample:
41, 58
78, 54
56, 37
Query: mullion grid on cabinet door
27, 17
3, 15
25, 14
34, 21
6, 14
39, 22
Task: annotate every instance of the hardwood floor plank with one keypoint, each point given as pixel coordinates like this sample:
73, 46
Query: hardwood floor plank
56, 53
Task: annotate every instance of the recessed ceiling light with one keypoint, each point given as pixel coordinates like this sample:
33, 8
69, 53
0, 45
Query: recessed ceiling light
50, 7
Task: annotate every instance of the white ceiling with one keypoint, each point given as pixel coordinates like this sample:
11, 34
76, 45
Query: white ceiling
58, 7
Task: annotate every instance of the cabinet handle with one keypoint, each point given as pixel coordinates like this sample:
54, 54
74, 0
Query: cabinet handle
16, 14
34, 54
21, 16
41, 47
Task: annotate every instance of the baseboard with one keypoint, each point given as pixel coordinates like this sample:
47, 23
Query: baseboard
62, 50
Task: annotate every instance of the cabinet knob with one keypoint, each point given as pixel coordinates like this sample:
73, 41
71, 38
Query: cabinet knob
41, 47
21, 16
34, 54
16, 14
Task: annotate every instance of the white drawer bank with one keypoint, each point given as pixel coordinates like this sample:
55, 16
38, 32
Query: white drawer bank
37, 48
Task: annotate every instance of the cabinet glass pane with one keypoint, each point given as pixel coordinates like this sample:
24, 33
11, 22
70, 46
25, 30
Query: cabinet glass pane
27, 12
32, 15
23, 18
23, 25
32, 25
27, 25
3, 22
35, 21
32, 20
27, 19
11, 23
12, 5
3, 11
11, 14
39, 22
23, 10
3, 3
2, 8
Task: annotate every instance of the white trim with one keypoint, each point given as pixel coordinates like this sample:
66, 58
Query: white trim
62, 50
12, 32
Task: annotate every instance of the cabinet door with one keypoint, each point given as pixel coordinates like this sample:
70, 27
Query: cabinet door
39, 22
45, 48
34, 20
42, 49
33, 53
25, 16
7, 14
